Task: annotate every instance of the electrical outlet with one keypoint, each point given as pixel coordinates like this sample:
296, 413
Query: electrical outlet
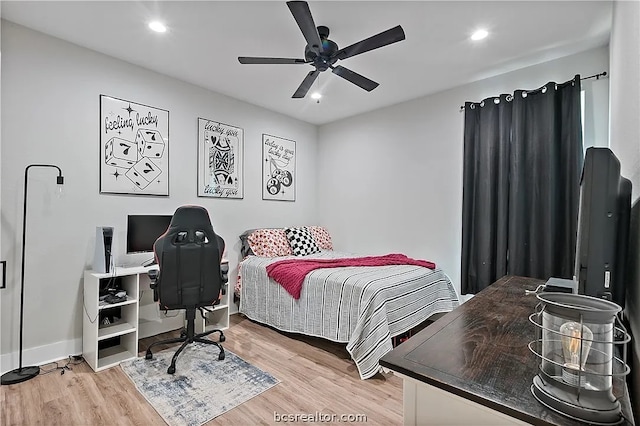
3, 273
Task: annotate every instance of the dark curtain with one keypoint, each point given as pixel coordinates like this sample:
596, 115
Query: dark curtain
522, 163
485, 192
545, 166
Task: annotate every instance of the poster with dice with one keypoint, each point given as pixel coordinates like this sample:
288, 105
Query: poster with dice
278, 168
220, 160
134, 148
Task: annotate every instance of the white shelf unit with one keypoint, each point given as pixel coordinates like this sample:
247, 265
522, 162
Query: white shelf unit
127, 329
120, 338
219, 317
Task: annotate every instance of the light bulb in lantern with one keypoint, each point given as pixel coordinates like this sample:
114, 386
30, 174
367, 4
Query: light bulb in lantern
576, 344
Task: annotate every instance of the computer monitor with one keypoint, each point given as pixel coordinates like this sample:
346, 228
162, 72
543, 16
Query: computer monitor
603, 227
144, 230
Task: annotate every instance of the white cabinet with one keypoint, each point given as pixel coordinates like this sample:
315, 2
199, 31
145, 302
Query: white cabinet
110, 331
423, 406
219, 317
107, 343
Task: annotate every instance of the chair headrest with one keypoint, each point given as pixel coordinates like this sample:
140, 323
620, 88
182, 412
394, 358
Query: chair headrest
190, 217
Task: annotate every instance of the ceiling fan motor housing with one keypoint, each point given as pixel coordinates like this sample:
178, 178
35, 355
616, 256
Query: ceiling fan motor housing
322, 61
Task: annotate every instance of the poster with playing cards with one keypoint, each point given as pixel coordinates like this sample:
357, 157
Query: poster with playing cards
134, 148
219, 159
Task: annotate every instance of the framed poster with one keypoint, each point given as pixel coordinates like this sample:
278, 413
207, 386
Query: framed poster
220, 160
278, 168
134, 148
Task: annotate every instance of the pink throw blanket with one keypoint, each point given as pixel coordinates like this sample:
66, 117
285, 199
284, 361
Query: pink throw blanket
290, 273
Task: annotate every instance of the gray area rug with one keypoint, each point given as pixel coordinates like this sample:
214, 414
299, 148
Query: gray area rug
202, 387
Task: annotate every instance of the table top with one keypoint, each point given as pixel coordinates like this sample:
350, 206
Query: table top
479, 351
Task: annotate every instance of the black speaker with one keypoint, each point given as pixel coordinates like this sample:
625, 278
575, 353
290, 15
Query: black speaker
102, 258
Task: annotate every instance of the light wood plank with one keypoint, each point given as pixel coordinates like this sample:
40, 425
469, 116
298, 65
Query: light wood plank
316, 376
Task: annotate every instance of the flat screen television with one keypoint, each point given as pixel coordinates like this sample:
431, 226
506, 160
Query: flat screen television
603, 227
144, 230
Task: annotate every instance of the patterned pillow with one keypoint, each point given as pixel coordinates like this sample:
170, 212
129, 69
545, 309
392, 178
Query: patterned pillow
322, 237
269, 243
301, 241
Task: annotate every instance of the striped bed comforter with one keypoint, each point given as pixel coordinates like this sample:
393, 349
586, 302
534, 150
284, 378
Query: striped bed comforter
361, 306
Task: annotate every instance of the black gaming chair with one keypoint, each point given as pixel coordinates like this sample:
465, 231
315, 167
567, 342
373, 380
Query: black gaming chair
190, 276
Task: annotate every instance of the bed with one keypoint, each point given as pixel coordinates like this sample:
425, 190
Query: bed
363, 307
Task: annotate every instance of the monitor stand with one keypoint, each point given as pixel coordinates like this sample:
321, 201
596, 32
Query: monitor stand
149, 262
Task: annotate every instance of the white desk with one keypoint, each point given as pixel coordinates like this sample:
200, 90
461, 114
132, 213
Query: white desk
140, 316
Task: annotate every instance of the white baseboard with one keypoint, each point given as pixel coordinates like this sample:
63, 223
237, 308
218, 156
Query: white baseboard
41, 355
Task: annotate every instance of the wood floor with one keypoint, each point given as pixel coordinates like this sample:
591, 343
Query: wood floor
315, 375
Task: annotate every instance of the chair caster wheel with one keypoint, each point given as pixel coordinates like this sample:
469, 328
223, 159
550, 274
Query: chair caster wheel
221, 356
222, 338
171, 369
148, 355
183, 333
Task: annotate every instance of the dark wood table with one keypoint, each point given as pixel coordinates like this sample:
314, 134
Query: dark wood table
479, 352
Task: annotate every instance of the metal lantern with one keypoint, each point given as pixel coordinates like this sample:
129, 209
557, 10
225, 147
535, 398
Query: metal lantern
576, 343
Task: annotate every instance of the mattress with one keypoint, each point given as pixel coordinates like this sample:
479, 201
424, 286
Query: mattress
363, 307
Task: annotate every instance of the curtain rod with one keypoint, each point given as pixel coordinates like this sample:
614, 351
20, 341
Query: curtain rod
596, 76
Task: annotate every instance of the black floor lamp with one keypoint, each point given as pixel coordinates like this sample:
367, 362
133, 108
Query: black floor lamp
21, 373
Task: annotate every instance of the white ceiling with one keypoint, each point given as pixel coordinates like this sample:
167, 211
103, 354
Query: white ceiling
206, 37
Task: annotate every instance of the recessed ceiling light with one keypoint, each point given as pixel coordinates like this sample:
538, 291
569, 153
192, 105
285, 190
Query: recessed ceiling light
479, 35
316, 95
157, 26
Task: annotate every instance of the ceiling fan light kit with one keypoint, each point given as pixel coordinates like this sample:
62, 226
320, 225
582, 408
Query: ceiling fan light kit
322, 53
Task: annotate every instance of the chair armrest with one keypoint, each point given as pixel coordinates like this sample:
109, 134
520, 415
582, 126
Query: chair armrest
224, 270
154, 276
224, 274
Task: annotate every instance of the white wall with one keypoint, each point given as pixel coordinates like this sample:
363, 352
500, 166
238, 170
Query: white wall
1, 258
625, 143
624, 132
391, 180
50, 114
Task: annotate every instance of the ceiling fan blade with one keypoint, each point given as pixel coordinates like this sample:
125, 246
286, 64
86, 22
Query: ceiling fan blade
254, 60
302, 15
355, 78
392, 35
306, 84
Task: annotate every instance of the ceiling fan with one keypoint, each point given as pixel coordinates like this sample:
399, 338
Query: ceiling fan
323, 53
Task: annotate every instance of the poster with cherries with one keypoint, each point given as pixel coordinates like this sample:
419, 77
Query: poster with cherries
134, 148
278, 168
220, 160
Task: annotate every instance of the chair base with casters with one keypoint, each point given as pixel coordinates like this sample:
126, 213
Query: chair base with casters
186, 337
